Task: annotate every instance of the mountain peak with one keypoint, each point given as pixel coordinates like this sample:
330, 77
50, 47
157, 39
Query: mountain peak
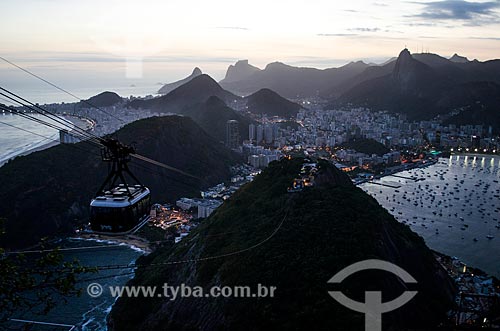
266, 101
239, 71
202, 84
405, 54
459, 59
408, 71
241, 63
196, 72
104, 99
276, 65
167, 88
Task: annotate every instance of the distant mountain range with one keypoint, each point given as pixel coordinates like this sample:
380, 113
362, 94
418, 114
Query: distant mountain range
167, 88
53, 187
425, 85
295, 242
288, 81
421, 86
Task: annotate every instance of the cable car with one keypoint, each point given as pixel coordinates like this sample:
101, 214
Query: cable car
122, 208
116, 212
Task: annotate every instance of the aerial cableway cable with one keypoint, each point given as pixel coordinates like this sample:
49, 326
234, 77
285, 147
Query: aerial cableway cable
42, 122
174, 262
59, 88
74, 146
34, 119
66, 125
100, 142
25, 103
146, 159
193, 260
52, 125
80, 132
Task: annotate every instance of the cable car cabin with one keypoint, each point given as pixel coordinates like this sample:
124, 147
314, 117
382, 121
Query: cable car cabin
116, 212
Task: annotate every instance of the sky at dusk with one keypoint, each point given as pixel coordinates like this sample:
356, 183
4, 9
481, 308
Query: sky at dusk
87, 41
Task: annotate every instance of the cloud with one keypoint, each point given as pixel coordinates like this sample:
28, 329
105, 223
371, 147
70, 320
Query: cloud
480, 12
485, 38
337, 34
364, 29
232, 28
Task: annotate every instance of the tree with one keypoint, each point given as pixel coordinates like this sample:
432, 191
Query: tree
36, 284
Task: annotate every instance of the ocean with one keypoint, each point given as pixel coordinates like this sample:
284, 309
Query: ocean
14, 141
85, 312
454, 205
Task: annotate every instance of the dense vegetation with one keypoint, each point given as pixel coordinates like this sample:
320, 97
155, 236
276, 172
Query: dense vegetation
48, 192
318, 232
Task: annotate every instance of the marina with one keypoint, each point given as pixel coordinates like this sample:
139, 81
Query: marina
454, 205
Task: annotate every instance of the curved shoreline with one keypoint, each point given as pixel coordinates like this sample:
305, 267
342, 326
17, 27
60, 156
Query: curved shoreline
89, 125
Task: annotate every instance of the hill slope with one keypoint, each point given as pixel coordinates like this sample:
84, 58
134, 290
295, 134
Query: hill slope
212, 116
197, 90
271, 103
295, 242
49, 191
167, 88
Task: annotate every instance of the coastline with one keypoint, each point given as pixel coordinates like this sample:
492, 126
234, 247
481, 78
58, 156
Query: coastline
76, 121
437, 163
133, 241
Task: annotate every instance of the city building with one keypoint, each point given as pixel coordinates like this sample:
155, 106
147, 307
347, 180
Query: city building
251, 133
232, 134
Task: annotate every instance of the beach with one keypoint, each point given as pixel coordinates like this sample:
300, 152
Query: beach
15, 142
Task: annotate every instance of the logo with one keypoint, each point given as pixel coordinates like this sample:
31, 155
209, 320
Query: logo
94, 290
373, 307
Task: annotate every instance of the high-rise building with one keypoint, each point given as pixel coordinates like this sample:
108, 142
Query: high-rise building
259, 133
251, 132
232, 134
268, 134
